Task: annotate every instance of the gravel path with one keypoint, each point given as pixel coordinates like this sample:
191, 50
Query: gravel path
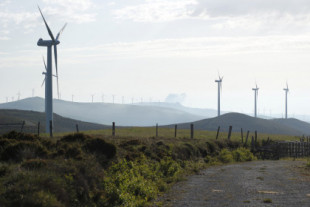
281, 183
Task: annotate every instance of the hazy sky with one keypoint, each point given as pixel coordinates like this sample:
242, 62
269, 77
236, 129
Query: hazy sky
154, 48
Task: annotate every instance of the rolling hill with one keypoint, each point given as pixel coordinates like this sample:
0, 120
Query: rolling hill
106, 113
32, 118
238, 121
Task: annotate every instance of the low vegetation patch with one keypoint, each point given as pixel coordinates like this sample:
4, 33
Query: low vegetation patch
82, 170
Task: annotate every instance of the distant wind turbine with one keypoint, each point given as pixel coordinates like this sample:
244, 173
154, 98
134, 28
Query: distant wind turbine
92, 98
18, 96
113, 98
48, 76
72, 97
102, 98
255, 100
219, 86
286, 92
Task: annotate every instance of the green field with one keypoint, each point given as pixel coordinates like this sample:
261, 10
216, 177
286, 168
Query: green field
147, 132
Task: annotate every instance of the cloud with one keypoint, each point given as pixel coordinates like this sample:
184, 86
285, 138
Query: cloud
175, 98
77, 11
157, 11
259, 16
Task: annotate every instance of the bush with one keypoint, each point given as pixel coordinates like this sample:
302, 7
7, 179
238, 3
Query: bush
20, 136
34, 164
242, 155
99, 146
23, 150
226, 156
76, 137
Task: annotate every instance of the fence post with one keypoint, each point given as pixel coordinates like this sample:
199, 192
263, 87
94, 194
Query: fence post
113, 129
38, 129
21, 130
192, 131
175, 130
51, 128
252, 144
156, 130
241, 136
255, 138
218, 131
246, 139
229, 132
77, 128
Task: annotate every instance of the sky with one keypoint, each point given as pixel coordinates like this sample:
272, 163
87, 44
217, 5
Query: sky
159, 50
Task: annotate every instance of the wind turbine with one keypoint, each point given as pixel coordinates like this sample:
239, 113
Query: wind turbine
48, 76
286, 92
219, 86
92, 98
255, 100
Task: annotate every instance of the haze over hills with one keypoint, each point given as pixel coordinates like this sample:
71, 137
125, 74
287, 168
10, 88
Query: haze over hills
31, 118
106, 113
238, 121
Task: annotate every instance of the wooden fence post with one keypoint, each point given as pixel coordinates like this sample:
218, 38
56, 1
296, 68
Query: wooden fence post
241, 136
23, 124
38, 129
175, 130
192, 131
246, 139
51, 128
218, 131
77, 128
156, 130
113, 129
252, 144
229, 132
255, 138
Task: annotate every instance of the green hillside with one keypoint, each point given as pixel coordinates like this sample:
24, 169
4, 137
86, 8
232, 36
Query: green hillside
32, 118
238, 121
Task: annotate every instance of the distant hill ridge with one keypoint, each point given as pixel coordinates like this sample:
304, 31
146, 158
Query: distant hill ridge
106, 113
32, 118
238, 121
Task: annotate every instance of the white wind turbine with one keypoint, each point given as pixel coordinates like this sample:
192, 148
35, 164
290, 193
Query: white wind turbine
286, 92
48, 75
219, 86
255, 100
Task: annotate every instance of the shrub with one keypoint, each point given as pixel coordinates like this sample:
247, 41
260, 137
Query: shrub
20, 136
76, 137
23, 150
226, 156
34, 164
99, 146
4, 169
242, 155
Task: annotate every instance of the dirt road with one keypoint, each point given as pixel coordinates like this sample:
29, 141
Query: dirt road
259, 183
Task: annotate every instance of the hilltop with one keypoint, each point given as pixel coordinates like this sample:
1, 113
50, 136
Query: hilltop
31, 118
238, 121
106, 113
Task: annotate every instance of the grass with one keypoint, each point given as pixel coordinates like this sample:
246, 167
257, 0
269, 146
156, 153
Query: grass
100, 170
267, 200
146, 132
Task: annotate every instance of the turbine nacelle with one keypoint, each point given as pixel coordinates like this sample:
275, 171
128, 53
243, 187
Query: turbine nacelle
47, 43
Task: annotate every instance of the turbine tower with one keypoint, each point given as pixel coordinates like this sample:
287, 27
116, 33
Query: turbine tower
48, 76
255, 100
219, 86
286, 92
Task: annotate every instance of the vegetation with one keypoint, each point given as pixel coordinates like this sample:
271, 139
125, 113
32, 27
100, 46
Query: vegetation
91, 170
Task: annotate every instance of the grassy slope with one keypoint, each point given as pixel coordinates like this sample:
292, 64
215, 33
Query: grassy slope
238, 121
32, 118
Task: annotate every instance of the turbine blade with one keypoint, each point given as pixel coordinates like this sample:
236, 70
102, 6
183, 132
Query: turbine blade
59, 33
43, 81
44, 64
47, 27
